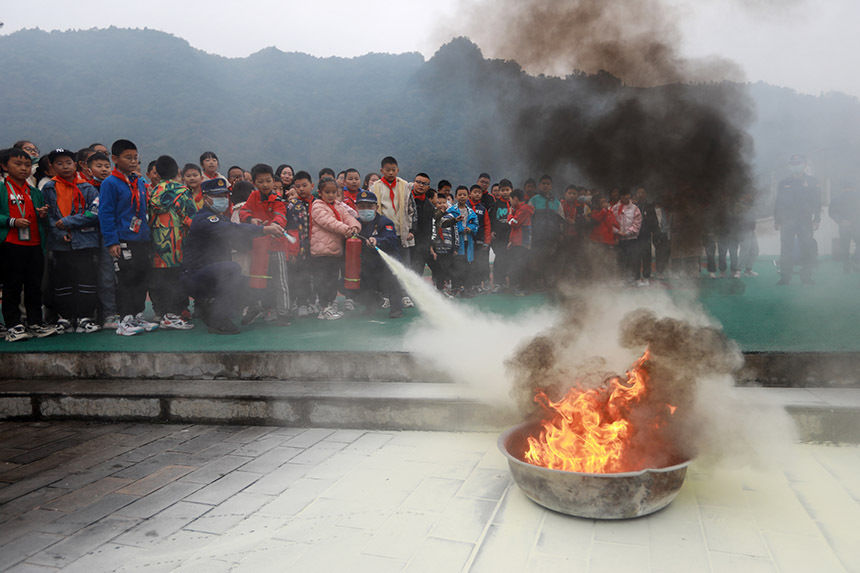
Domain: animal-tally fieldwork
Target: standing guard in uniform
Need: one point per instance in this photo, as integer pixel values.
(797, 215)
(209, 274)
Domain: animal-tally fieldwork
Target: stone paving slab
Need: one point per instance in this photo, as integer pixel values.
(320, 499)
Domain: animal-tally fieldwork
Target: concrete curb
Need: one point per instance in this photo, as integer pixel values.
(829, 415)
(770, 369)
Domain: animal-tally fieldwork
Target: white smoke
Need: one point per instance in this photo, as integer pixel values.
(587, 337)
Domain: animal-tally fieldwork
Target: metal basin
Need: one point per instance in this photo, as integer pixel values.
(597, 496)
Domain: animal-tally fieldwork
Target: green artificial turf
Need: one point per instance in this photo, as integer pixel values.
(762, 316)
(754, 311)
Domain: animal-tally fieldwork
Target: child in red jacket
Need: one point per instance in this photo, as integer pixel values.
(269, 254)
(520, 240)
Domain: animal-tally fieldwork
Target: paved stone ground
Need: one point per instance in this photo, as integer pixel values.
(138, 497)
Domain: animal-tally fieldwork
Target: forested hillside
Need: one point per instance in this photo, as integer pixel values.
(73, 88)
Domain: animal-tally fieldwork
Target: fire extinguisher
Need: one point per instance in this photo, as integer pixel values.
(352, 268)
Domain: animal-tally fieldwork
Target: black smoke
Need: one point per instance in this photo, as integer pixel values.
(625, 110)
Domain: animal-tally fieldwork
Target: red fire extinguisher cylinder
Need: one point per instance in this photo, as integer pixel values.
(352, 268)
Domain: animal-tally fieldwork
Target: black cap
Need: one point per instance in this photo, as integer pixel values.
(59, 152)
(217, 186)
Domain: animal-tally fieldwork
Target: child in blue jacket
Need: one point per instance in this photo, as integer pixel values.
(73, 239)
(124, 226)
(467, 227)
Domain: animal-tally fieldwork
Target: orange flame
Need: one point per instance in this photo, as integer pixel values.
(589, 430)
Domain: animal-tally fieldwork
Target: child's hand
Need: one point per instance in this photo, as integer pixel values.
(274, 230)
(42, 211)
(67, 238)
(255, 221)
(432, 252)
(115, 251)
(372, 241)
(60, 225)
(353, 231)
(20, 223)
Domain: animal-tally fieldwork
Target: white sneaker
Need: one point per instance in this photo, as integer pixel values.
(111, 322)
(349, 305)
(385, 302)
(87, 326)
(736, 274)
(64, 326)
(329, 313)
(642, 283)
(16, 333)
(173, 322)
(145, 324)
(407, 302)
(751, 273)
(42, 330)
(128, 326)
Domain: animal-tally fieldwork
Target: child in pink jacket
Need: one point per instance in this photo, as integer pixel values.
(331, 225)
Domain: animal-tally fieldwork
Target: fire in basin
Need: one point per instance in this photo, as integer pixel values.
(605, 452)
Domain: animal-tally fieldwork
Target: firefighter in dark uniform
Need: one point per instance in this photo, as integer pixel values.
(797, 215)
(378, 232)
(208, 272)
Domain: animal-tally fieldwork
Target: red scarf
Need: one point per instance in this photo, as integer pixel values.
(23, 194)
(333, 210)
(132, 186)
(75, 202)
(419, 196)
(391, 187)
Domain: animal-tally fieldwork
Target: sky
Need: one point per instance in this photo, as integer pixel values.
(808, 45)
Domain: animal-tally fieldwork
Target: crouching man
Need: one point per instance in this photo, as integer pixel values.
(208, 273)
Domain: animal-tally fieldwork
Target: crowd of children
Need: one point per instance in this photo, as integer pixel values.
(88, 235)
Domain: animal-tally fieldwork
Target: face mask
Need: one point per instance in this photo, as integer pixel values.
(366, 215)
(797, 169)
(220, 204)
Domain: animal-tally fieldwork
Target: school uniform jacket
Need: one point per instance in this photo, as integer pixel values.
(484, 233)
(81, 224)
(398, 205)
(445, 239)
(604, 230)
(467, 241)
(269, 209)
(38, 201)
(117, 209)
(520, 222)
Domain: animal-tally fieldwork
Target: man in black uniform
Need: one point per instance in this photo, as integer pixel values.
(208, 273)
(797, 215)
